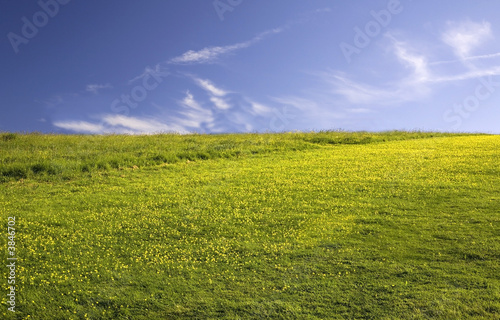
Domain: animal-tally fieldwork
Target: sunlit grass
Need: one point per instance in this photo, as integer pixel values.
(287, 226)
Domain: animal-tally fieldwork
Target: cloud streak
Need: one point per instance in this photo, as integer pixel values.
(465, 36)
(211, 54)
(413, 86)
(113, 123)
(79, 126)
(470, 58)
(419, 82)
(208, 86)
(94, 88)
(213, 110)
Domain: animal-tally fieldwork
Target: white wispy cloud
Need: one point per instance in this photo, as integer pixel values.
(473, 74)
(259, 109)
(308, 109)
(470, 58)
(465, 36)
(221, 104)
(207, 55)
(79, 126)
(224, 110)
(214, 113)
(210, 54)
(412, 86)
(193, 115)
(190, 102)
(216, 94)
(208, 86)
(94, 88)
(418, 63)
(114, 123)
(422, 75)
(355, 92)
(135, 124)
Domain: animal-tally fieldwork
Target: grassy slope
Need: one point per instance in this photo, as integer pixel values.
(59, 157)
(402, 229)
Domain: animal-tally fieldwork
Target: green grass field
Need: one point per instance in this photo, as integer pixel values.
(328, 225)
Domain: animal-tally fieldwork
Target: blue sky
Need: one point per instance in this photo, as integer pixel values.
(74, 66)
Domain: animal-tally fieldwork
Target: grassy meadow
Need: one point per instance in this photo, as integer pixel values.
(327, 225)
